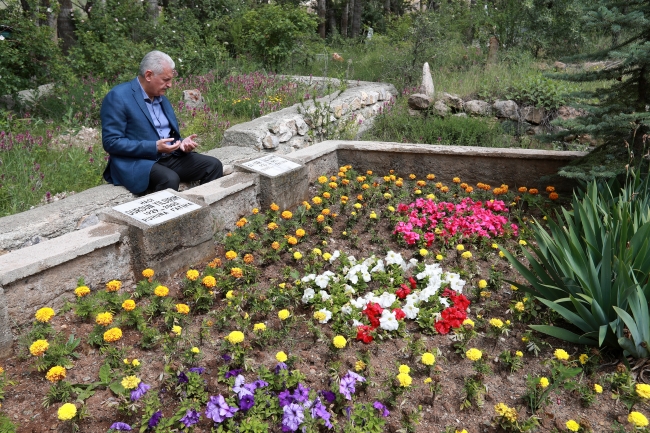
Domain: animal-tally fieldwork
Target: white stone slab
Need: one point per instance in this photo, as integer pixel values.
(271, 165)
(157, 208)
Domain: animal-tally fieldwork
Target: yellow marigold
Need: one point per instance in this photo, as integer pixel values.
(638, 419)
(523, 242)
(456, 180)
(482, 284)
(161, 291)
(598, 389)
(81, 291)
(317, 251)
(2, 370)
(300, 233)
(320, 218)
(502, 254)
(135, 363)
(428, 358)
(177, 329)
(44, 314)
(642, 390)
(255, 211)
(39, 347)
(583, 358)
(509, 413)
(182, 308)
(571, 425)
(148, 273)
(428, 380)
(325, 212)
(286, 215)
(466, 255)
(196, 350)
(404, 380)
(272, 226)
(543, 382)
(297, 255)
(423, 252)
(561, 354)
(281, 356)
(230, 294)
(284, 314)
(399, 183)
(292, 241)
(359, 365)
(485, 294)
(113, 286)
(231, 255)
(275, 245)
(468, 322)
(473, 354)
(192, 274)
(252, 236)
(104, 319)
(67, 412)
(130, 382)
(339, 341)
(317, 200)
(242, 222)
(497, 323)
(274, 207)
(460, 247)
(112, 335)
(519, 354)
(326, 194)
(439, 257)
(236, 272)
(519, 306)
(55, 374)
(322, 179)
(327, 256)
(209, 281)
(259, 327)
(235, 337)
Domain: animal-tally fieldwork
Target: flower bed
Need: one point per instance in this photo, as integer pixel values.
(382, 303)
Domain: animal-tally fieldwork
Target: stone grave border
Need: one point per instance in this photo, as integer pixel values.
(118, 247)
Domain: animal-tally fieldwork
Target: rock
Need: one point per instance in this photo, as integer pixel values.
(565, 112)
(441, 109)
(355, 104)
(338, 111)
(460, 115)
(533, 115)
(506, 109)
(301, 126)
(415, 113)
(478, 108)
(88, 221)
(270, 142)
(427, 81)
(559, 66)
(193, 98)
(453, 101)
(419, 101)
(337, 57)
(298, 142)
(284, 133)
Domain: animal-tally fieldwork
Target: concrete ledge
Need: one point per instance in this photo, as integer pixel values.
(217, 190)
(29, 261)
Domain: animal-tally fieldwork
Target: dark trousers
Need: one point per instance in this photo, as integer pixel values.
(171, 171)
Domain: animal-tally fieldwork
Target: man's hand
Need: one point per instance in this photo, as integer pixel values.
(162, 145)
(189, 144)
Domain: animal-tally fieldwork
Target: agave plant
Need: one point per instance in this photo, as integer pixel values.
(592, 263)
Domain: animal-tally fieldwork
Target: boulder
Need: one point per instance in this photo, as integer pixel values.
(419, 101)
(460, 115)
(478, 108)
(565, 112)
(559, 66)
(270, 142)
(284, 133)
(427, 81)
(301, 126)
(193, 99)
(506, 109)
(415, 113)
(533, 115)
(453, 101)
(441, 109)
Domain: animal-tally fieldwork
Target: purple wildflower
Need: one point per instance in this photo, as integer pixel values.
(246, 402)
(301, 394)
(240, 387)
(259, 383)
(120, 426)
(348, 411)
(292, 417)
(318, 410)
(191, 417)
(285, 398)
(226, 357)
(346, 386)
(381, 408)
(140, 391)
(280, 366)
(329, 396)
(199, 370)
(233, 373)
(218, 410)
(182, 378)
(155, 419)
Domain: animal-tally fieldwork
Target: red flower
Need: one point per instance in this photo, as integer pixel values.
(448, 293)
(460, 301)
(399, 314)
(453, 316)
(414, 283)
(373, 311)
(403, 291)
(363, 333)
(442, 327)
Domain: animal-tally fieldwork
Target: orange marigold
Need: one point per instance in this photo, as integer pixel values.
(431, 176)
(275, 245)
(286, 215)
(209, 281)
(444, 189)
(275, 207)
(522, 189)
(215, 263)
(113, 286)
(272, 226)
(325, 212)
(550, 188)
(241, 223)
(469, 189)
(248, 259)
(456, 180)
(533, 191)
(292, 241)
(300, 233)
(553, 196)
(345, 181)
(320, 218)
(326, 194)
(237, 272)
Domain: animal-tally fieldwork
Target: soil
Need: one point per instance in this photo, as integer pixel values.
(23, 399)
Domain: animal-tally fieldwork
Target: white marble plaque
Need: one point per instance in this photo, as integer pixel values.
(157, 208)
(271, 165)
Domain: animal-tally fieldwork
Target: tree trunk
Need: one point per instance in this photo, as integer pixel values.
(386, 7)
(322, 11)
(356, 18)
(49, 17)
(331, 17)
(65, 26)
(152, 9)
(344, 20)
(350, 17)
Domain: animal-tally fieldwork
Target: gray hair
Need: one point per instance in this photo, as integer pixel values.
(155, 61)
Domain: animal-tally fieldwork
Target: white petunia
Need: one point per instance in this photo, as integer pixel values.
(356, 323)
(358, 303)
(308, 278)
(324, 295)
(335, 255)
(328, 315)
(411, 311)
(308, 295)
(322, 281)
(388, 321)
(346, 309)
(386, 299)
(349, 290)
(444, 302)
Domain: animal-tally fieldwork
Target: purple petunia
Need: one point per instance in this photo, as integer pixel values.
(318, 410)
(182, 378)
(301, 394)
(199, 370)
(226, 357)
(140, 391)
(120, 426)
(286, 398)
(240, 387)
(233, 373)
(346, 386)
(191, 417)
(155, 419)
(329, 396)
(218, 410)
(292, 417)
(281, 366)
(381, 408)
(246, 402)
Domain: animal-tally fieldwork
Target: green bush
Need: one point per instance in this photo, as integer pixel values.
(540, 91)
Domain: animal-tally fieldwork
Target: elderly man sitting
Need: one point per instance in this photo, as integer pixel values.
(141, 134)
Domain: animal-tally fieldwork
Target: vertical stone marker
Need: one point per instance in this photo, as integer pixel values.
(284, 182)
(427, 81)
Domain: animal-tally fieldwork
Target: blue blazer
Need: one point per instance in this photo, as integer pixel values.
(129, 136)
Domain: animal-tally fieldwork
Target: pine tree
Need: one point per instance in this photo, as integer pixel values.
(619, 112)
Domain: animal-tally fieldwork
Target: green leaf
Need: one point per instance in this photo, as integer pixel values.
(563, 334)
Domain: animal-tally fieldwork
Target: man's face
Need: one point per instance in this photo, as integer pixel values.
(157, 85)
